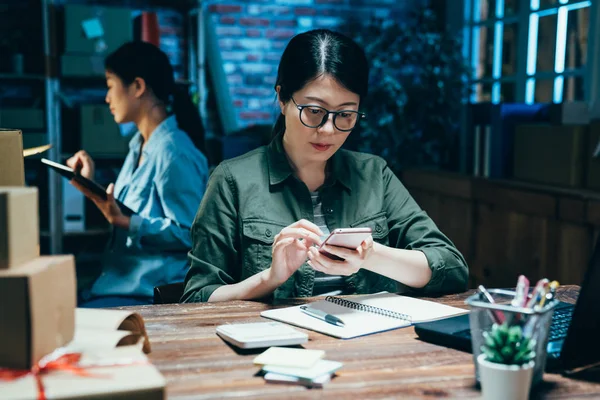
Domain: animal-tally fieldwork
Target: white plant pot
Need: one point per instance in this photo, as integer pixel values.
(501, 382)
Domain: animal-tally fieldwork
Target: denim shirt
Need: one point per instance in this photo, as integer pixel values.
(249, 200)
(164, 192)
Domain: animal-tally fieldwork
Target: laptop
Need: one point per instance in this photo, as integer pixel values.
(572, 343)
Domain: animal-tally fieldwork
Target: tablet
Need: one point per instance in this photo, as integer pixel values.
(89, 184)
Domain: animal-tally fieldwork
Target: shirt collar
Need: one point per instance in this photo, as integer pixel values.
(280, 168)
(166, 126)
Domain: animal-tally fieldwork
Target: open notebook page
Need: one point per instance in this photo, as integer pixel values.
(418, 309)
(358, 322)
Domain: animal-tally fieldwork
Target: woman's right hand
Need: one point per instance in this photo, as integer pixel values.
(290, 249)
(83, 164)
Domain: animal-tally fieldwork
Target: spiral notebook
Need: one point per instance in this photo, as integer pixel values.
(366, 314)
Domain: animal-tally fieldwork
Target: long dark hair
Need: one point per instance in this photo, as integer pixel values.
(312, 54)
(144, 60)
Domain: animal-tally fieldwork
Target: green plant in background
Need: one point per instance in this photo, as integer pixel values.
(417, 88)
(506, 344)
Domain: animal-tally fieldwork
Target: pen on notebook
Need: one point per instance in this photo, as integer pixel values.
(322, 315)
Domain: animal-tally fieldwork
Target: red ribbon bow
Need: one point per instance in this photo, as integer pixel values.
(65, 362)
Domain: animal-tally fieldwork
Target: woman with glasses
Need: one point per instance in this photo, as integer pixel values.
(264, 213)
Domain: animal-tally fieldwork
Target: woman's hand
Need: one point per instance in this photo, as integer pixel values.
(290, 249)
(353, 259)
(109, 207)
(83, 164)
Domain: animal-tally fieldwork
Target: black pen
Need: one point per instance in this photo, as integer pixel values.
(322, 315)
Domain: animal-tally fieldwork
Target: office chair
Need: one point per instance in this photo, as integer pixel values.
(168, 294)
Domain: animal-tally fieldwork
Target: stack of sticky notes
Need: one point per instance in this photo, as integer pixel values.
(296, 366)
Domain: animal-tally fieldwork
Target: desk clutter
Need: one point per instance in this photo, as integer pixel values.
(510, 331)
(296, 366)
(49, 349)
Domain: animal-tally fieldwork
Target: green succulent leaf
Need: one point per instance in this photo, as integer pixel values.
(506, 344)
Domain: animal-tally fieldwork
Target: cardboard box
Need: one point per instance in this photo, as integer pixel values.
(37, 310)
(22, 118)
(549, 154)
(135, 379)
(11, 158)
(100, 134)
(96, 29)
(19, 226)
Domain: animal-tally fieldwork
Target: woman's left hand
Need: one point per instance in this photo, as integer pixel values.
(353, 259)
(109, 207)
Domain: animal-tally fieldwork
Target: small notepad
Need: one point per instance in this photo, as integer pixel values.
(366, 314)
(320, 368)
(288, 357)
(288, 379)
(261, 334)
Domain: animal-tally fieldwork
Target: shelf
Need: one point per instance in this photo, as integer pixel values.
(88, 232)
(184, 5)
(22, 77)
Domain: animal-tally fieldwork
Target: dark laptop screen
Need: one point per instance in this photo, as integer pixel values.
(581, 345)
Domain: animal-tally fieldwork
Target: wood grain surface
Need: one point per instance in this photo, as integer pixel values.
(396, 364)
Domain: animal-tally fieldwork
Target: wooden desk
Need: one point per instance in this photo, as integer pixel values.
(198, 364)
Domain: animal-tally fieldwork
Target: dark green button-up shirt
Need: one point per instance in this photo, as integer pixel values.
(249, 199)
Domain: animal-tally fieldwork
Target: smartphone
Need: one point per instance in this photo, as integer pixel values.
(350, 238)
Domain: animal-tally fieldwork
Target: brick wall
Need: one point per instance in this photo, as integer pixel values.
(252, 36)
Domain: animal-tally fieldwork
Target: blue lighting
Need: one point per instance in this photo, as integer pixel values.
(532, 43)
(496, 93)
(558, 89)
(530, 91)
(498, 36)
(500, 9)
(561, 40)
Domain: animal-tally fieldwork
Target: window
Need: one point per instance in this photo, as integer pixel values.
(528, 50)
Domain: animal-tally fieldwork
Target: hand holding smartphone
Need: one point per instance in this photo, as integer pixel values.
(350, 238)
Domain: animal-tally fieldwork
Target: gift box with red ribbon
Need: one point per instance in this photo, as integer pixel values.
(121, 373)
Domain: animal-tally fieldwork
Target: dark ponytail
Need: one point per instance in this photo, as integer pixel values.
(144, 60)
(188, 117)
(312, 54)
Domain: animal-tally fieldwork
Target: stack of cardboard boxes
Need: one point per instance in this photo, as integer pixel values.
(38, 310)
(37, 294)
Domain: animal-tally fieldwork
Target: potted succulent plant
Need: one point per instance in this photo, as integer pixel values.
(506, 363)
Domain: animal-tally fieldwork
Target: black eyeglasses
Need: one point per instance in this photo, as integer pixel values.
(313, 116)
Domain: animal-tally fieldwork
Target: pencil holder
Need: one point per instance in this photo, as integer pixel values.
(535, 324)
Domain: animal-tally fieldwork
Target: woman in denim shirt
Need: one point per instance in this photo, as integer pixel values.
(162, 180)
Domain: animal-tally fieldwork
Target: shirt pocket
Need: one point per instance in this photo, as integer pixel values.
(257, 242)
(378, 224)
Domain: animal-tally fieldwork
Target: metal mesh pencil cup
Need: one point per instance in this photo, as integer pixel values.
(535, 323)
